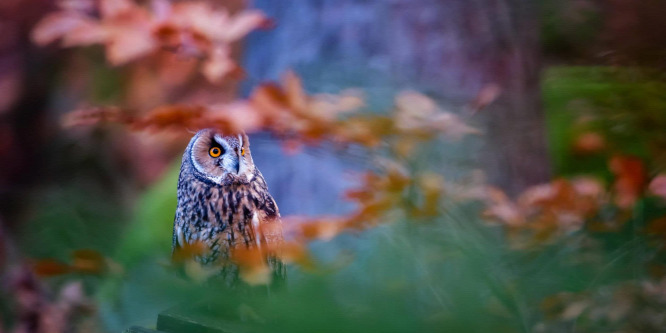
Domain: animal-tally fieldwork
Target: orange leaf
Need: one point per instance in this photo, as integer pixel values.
(589, 143)
(88, 261)
(189, 251)
(50, 267)
(252, 263)
(293, 88)
(630, 179)
(294, 253)
(322, 228)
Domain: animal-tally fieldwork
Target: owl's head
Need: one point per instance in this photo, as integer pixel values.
(220, 159)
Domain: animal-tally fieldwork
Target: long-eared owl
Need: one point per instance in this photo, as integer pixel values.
(223, 200)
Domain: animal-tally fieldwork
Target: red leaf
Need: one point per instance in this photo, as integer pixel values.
(630, 179)
(50, 267)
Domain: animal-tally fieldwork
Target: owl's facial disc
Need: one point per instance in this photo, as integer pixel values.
(222, 159)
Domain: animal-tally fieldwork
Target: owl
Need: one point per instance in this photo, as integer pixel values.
(223, 200)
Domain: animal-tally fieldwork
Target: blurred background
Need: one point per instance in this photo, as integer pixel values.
(558, 90)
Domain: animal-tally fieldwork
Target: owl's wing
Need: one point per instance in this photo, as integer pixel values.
(270, 208)
(271, 234)
(269, 220)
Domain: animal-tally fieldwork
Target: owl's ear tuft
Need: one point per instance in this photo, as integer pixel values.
(246, 140)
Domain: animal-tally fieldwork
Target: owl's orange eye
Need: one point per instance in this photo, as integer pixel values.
(242, 151)
(215, 152)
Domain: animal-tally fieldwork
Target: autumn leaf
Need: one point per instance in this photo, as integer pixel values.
(58, 25)
(198, 272)
(431, 186)
(501, 208)
(547, 210)
(189, 251)
(589, 143)
(50, 267)
(254, 269)
(92, 116)
(88, 262)
(130, 31)
(115, 8)
(658, 186)
(218, 64)
(418, 114)
(630, 179)
(486, 96)
(324, 228)
(294, 252)
(243, 23)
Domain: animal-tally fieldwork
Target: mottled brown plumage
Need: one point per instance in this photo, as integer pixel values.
(223, 199)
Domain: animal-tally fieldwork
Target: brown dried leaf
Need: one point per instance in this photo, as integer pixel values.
(171, 117)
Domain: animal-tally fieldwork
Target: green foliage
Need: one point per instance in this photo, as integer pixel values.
(453, 272)
(68, 220)
(624, 105)
(150, 230)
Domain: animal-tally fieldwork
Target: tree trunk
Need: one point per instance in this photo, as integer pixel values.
(450, 49)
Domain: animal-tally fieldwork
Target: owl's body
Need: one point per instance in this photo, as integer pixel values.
(223, 200)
